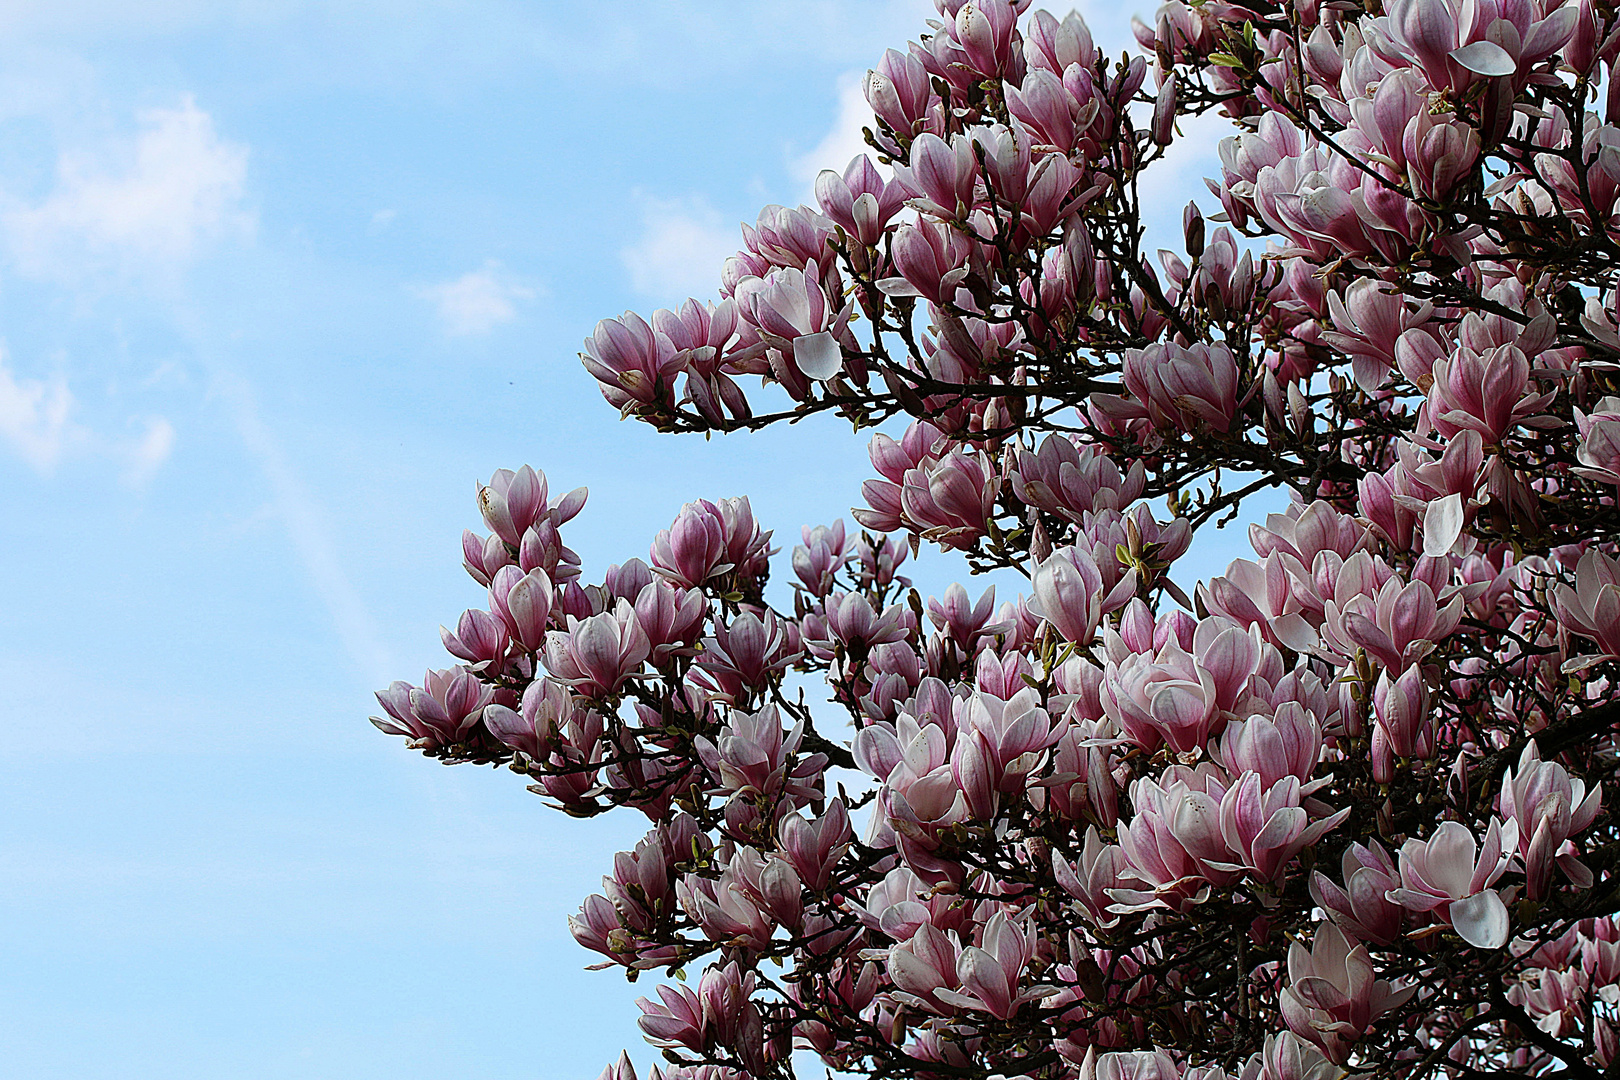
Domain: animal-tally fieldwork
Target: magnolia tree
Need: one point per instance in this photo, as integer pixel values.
(1339, 810)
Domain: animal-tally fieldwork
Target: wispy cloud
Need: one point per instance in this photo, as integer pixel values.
(307, 529)
(683, 244)
(146, 204)
(35, 417)
(477, 301)
(146, 455)
(37, 422)
(843, 141)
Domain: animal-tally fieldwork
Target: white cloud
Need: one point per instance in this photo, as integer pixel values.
(37, 421)
(34, 418)
(146, 455)
(843, 140)
(684, 243)
(477, 301)
(136, 205)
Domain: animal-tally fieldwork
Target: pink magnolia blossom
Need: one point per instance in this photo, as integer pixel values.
(814, 847)
(697, 1019)
(964, 621)
(1069, 594)
(635, 364)
(851, 622)
(925, 966)
(523, 602)
(1368, 319)
(1362, 907)
(860, 201)
(747, 654)
(1177, 696)
(1398, 623)
(1556, 1000)
(1178, 388)
(1261, 595)
(893, 460)
(1548, 807)
(752, 752)
(1063, 478)
(1053, 45)
(902, 903)
(444, 709)
(1439, 150)
(793, 312)
(709, 539)
(596, 655)
(789, 239)
(1272, 747)
(1450, 875)
(1333, 994)
(1014, 733)
(1285, 1056)
(898, 91)
(990, 972)
(1456, 49)
(1265, 827)
(512, 502)
(546, 711)
(1174, 843)
(619, 1070)
(1599, 451)
(1045, 106)
(942, 175)
(933, 260)
(823, 554)
(1129, 1065)
(1592, 608)
(671, 618)
(480, 638)
(1401, 706)
(984, 29)
(1090, 877)
(950, 501)
(1486, 393)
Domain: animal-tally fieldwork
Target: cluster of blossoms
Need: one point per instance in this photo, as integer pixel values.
(1337, 810)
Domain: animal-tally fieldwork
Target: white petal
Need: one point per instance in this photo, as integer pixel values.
(1293, 631)
(1481, 920)
(1442, 524)
(818, 355)
(1485, 58)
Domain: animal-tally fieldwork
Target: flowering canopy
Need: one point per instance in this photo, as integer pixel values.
(1340, 809)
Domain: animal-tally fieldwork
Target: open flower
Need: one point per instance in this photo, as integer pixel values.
(1592, 608)
(1450, 875)
(1333, 994)
(1548, 807)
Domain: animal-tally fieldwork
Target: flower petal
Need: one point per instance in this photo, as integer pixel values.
(818, 355)
(1485, 58)
(1481, 920)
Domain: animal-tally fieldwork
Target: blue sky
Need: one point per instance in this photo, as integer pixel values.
(279, 282)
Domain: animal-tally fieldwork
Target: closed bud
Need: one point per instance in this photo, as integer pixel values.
(1164, 113)
(1192, 228)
